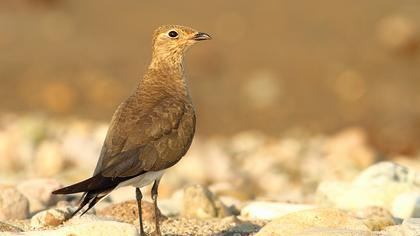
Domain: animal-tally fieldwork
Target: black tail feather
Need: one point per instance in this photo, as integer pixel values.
(91, 199)
(86, 198)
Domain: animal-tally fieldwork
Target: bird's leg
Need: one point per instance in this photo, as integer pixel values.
(139, 196)
(154, 197)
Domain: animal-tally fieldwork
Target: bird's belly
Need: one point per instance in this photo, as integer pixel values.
(143, 180)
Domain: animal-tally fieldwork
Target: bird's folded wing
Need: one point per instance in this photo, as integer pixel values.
(132, 145)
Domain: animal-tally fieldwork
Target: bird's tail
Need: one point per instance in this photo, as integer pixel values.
(90, 198)
(83, 186)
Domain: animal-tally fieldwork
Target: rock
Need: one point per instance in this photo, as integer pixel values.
(375, 218)
(38, 192)
(386, 172)
(334, 232)
(411, 226)
(170, 207)
(128, 212)
(378, 185)
(49, 159)
(349, 150)
(395, 230)
(4, 227)
(399, 34)
(91, 227)
(406, 205)
(199, 202)
(270, 210)
(301, 221)
(51, 217)
(13, 205)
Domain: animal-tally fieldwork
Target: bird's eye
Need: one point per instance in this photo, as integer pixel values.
(173, 34)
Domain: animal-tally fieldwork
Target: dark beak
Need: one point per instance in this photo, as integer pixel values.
(201, 36)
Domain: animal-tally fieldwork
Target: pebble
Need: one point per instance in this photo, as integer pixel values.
(334, 232)
(13, 204)
(4, 227)
(375, 218)
(199, 202)
(128, 212)
(49, 159)
(52, 217)
(384, 173)
(270, 210)
(38, 192)
(379, 185)
(301, 221)
(406, 205)
(95, 227)
(411, 226)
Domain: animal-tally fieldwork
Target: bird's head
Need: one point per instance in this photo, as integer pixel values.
(170, 42)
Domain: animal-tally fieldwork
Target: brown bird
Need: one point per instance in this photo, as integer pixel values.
(151, 130)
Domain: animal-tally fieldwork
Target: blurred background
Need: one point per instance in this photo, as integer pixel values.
(281, 65)
(297, 81)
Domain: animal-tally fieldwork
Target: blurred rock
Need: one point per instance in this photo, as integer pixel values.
(52, 217)
(406, 205)
(384, 173)
(122, 194)
(128, 212)
(199, 202)
(246, 142)
(13, 205)
(333, 232)
(170, 207)
(411, 226)
(4, 227)
(399, 34)
(375, 218)
(378, 185)
(270, 210)
(89, 226)
(350, 148)
(49, 159)
(38, 192)
(82, 142)
(301, 221)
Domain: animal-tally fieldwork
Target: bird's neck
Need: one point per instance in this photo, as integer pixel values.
(164, 77)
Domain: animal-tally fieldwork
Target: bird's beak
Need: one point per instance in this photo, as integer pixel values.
(201, 36)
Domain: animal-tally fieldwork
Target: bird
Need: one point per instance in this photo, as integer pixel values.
(151, 130)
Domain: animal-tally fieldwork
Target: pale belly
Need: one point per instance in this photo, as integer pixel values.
(142, 180)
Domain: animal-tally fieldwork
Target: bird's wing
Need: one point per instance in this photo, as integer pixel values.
(138, 142)
(135, 141)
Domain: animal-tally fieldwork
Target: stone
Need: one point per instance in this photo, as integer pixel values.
(51, 217)
(411, 226)
(49, 159)
(13, 204)
(170, 207)
(270, 210)
(4, 227)
(406, 205)
(38, 192)
(128, 212)
(91, 227)
(301, 221)
(334, 232)
(385, 172)
(378, 185)
(350, 147)
(375, 218)
(199, 202)
(399, 33)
